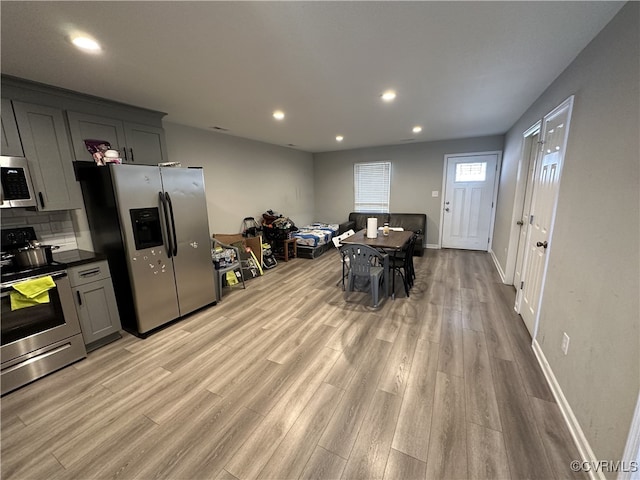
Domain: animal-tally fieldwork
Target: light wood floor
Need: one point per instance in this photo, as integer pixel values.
(288, 379)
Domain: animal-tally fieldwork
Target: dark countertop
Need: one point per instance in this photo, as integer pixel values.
(74, 258)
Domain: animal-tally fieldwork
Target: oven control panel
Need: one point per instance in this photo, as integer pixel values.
(14, 238)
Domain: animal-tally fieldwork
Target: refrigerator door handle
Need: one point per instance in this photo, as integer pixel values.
(163, 204)
(173, 225)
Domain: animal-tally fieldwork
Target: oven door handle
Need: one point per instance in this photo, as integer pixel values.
(7, 287)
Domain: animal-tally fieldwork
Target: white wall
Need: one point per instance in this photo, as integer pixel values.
(244, 178)
(593, 281)
(416, 171)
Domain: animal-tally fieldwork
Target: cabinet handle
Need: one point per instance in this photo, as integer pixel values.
(89, 273)
(124, 150)
(41, 199)
(79, 298)
(132, 159)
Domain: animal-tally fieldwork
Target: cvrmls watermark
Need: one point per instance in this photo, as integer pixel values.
(605, 466)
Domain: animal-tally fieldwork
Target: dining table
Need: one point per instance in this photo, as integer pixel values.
(395, 241)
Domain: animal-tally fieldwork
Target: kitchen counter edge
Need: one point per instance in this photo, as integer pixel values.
(74, 258)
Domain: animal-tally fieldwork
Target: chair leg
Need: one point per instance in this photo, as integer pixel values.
(375, 290)
(342, 278)
(350, 282)
(219, 285)
(404, 281)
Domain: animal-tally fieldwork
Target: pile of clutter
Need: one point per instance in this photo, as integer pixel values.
(271, 219)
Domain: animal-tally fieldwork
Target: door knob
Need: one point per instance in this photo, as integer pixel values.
(446, 209)
(542, 244)
(520, 222)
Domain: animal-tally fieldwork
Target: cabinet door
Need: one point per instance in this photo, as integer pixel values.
(46, 146)
(11, 145)
(84, 126)
(97, 310)
(146, 144)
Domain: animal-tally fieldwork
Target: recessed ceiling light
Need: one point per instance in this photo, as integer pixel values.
(417, 129)
(388, 96)
(339, 138)
(278, 114)
(86, 43)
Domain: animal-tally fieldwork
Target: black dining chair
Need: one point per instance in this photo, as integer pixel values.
(345, 261)
(367, 264)
(402, 263)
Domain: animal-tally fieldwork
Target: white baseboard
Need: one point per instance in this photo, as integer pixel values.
(631, 453)
(498, 267)
(433, 245)
(586, 453)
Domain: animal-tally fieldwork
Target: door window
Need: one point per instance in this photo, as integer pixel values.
(471, 172)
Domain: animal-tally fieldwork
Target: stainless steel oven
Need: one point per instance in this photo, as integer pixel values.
(38, 339)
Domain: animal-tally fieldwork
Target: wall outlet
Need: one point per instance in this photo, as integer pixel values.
(434, 193)
(565, 343)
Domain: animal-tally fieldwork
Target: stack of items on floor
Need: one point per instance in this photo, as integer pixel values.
(226, 260)
(250, 250)
(277, 228)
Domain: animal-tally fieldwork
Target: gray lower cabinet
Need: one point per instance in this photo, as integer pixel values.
(46, 146)
(11, 145)
(137, 143)
(95, 303)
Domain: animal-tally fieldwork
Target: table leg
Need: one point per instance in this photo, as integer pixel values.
(393, 274)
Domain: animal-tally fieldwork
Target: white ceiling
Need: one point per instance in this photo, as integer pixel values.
(461, 69)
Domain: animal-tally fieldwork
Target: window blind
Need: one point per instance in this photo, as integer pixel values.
(371, 186)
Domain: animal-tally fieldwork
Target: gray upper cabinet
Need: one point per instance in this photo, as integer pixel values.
(137, 143)
(46, 145)
(11, 145)
(146, 144)
(85, 126)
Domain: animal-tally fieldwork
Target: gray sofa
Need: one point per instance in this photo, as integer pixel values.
(416, 222)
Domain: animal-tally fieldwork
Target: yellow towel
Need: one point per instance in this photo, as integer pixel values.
(31, 292)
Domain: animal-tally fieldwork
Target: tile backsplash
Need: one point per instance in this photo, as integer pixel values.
(52, 228)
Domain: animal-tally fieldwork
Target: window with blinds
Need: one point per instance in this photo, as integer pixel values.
(372, 185)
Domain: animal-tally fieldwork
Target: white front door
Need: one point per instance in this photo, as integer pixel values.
(468, 201)
(555, 128)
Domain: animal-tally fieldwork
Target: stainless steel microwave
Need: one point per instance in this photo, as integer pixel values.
(17, 188)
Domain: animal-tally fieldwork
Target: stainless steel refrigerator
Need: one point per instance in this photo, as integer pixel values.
(151, 223)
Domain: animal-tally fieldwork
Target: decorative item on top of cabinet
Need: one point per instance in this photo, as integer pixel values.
(11, 146)
(46, 146)
(136, 143)
(95, 303)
